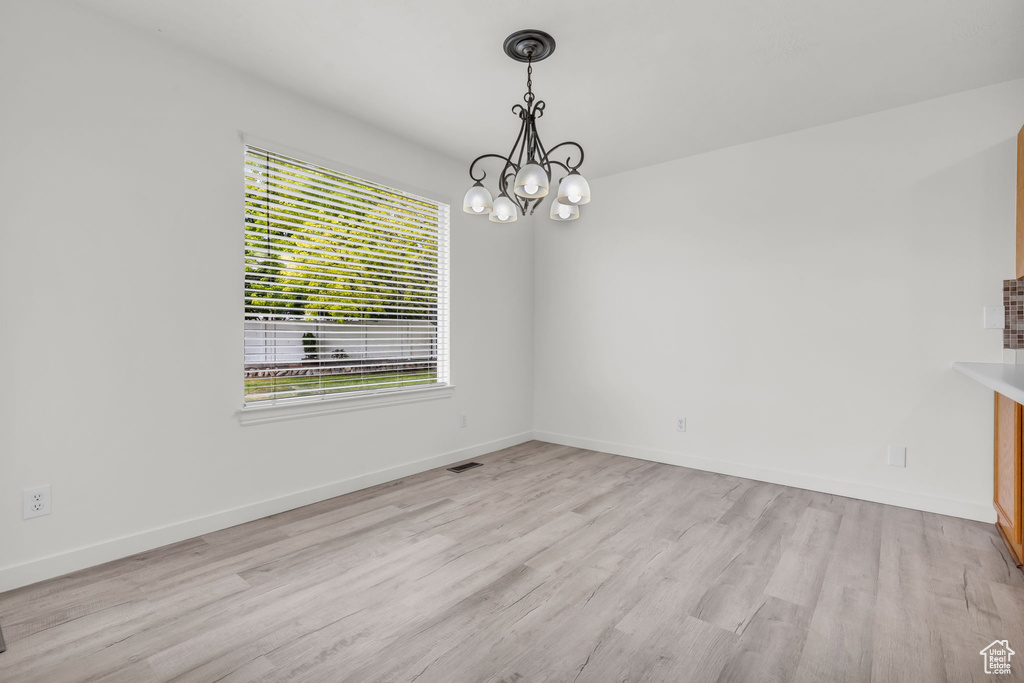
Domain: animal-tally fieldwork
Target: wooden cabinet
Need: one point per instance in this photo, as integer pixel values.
(1007, 495)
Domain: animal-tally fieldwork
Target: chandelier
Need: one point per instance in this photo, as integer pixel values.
(526, 172)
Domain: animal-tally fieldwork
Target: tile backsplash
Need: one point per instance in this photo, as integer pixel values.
(1013, 302)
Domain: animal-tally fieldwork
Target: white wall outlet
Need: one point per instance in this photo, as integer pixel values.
(36, 502)
(681, 424)
(463, 420)
(897, 456)
(994, 317)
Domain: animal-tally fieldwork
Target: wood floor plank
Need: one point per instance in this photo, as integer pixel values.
(839, 642)
(549, 563)
(740, 588)
(800, 572)
(770, 644)
(858, 544)
(905, 646)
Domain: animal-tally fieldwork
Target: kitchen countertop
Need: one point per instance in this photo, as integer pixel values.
(1005, 378)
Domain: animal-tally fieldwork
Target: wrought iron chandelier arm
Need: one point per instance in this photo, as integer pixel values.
(508, 179)
(554, 162)
(521, 202)
(483, 173)
(568, 162)
(523, 137)
(543, 158)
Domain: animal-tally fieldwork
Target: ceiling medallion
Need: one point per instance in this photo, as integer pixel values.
(527, 170)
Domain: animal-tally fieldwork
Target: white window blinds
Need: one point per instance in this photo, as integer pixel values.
(346, 284)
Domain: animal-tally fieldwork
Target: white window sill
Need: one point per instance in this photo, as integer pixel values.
(276, 412)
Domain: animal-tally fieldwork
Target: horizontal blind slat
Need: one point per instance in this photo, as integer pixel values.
(355, 284)
(254, 267)
(252, 308)
(352, 317)
(256, 301)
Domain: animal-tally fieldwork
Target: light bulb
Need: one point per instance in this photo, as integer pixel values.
(531, 181)
(574, 189)
(564, 212)
(478, 200)
(504, 211)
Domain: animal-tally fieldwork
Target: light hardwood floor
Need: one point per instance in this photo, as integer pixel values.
(549, 563)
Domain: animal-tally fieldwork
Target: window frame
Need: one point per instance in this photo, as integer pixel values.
(347, 401)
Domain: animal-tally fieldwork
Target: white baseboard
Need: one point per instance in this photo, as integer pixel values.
(18, 575)
(981, 512)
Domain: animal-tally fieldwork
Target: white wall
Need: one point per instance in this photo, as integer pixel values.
(120, 201)
(798, 300)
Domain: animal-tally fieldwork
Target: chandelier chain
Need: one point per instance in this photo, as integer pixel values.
(529, 80)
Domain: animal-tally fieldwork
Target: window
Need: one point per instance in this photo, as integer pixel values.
(346, 284)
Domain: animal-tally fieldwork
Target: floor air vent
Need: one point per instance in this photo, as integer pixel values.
(464, 466)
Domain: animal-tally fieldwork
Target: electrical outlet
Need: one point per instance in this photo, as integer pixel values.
(681, 424)
(36, 502)
(897, 456)
(463, 420)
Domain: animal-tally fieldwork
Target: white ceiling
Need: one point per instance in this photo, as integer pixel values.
(636, 83)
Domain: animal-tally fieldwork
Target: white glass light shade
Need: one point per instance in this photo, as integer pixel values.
(504, 211)
(574, 189)
(478, 200)
(532, 181)
(564, 212)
